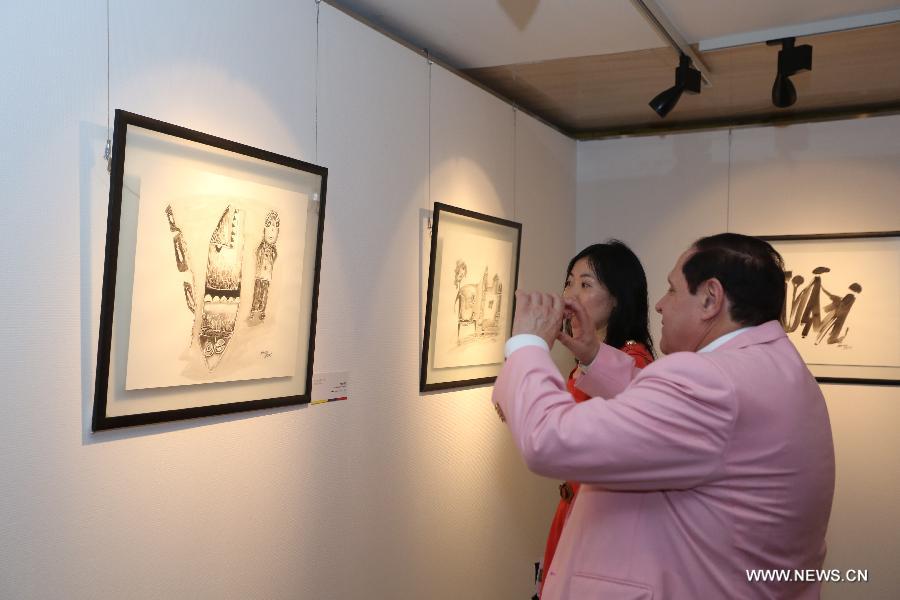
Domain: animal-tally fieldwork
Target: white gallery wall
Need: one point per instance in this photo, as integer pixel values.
(658, 194)
(391, 494)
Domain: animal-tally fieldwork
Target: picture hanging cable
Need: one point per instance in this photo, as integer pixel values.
(515, 154)
(429, 62)
(107, 151)
(515, 109)
(316, 109)
(728, 189)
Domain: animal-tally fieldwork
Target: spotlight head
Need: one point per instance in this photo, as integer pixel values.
(665, 101)
(687, 79)
(784, 93)
(791, 60)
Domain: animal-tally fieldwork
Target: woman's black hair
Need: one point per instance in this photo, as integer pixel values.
(617, 268)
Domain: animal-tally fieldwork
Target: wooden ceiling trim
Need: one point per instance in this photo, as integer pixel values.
(853, 71)
(774, 119)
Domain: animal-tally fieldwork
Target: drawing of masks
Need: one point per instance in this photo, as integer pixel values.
(266, 253)
(222, 294)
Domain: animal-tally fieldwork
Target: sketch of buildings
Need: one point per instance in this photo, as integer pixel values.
(478, 304)
(472, 275)
(472, 309)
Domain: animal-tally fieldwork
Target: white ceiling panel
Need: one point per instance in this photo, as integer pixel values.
(483, 33)
(704, 19)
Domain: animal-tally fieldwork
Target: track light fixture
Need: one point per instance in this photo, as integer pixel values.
(687, 79)
(791, 59)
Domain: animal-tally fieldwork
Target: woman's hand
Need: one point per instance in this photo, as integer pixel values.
(583, 342)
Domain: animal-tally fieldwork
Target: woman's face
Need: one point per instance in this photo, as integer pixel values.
(582, 284)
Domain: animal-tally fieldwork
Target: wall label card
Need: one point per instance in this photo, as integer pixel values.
(330, 387)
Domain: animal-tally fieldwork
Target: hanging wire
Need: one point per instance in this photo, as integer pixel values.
(316, 109)
(730, 132)
(728, 189)
(430, 64)
(107, 151)
(515, 155)
(515, 75)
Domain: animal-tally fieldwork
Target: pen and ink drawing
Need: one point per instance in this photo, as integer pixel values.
(182, 260)
(241, 318)
(266, 253)
(842, 295)
(478, 305)
(817, 310)
(472, 274)
(223, 288)
(195, 318)
(222, 296)
(472, 309)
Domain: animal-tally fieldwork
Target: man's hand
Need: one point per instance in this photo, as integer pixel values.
(583, 342)
(539, 314)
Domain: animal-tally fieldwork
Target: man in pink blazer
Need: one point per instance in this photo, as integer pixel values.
(708, 463)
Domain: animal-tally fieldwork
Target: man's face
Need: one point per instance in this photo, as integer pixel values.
(683, 326)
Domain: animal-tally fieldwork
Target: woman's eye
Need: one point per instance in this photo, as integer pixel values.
(585, 284)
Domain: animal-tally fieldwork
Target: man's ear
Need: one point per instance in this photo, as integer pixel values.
(713, 300)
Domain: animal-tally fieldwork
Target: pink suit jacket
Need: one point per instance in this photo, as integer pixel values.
(696, 469)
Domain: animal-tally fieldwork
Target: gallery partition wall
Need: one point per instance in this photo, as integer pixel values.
(391, 493)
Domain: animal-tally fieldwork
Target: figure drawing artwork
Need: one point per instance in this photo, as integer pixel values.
(842, 294)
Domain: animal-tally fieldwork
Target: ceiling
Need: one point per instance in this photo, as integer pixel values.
(590, 67)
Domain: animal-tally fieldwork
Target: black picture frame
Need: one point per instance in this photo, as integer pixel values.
(501, 241)
(279, 193)
(849, 249)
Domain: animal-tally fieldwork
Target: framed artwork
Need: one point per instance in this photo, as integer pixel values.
(211, 277)
(472, 278)
(842, 305)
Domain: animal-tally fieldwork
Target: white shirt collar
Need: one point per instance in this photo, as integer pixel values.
(722, 339)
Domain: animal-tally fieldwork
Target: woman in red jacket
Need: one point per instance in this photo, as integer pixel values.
(609, 282)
